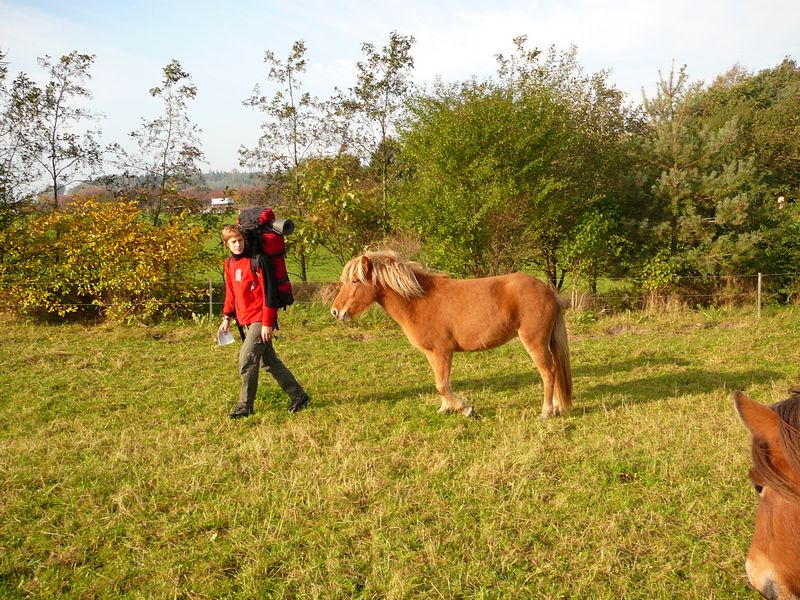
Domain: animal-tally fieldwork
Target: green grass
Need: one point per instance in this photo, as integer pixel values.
(121, 476)
(322, 267)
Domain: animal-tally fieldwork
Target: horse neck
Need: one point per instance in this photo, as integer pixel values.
(401, 309)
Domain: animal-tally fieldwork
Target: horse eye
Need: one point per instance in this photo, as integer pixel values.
(758, 488)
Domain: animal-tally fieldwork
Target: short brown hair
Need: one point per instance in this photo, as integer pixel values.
(231, 231)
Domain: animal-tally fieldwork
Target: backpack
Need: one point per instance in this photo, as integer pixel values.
(266, 247)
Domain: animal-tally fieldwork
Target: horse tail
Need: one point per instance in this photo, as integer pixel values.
(559, 348)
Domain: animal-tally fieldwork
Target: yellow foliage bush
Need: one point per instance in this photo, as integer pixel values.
(101, 259)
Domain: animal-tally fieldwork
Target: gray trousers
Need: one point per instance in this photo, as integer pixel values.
(256, 354)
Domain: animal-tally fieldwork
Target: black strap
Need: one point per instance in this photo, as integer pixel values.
(270, 281)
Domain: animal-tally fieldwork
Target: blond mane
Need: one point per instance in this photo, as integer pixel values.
(387, 269)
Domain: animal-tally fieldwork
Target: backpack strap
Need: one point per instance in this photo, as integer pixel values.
(270, 280)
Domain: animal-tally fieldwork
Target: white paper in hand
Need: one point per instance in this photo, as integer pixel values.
(224, 337)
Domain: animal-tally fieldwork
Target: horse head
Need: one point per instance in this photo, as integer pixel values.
(773, 560)
(366, 278)
(356, 290)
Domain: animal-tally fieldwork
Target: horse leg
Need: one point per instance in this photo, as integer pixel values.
(539, 351)
(441, 364)
(429, 355)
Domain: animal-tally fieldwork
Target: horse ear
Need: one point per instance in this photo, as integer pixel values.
(761, 421)
(365, 266)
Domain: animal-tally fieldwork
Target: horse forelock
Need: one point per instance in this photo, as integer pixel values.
(386, 269)
(354, 272)
(789, 433)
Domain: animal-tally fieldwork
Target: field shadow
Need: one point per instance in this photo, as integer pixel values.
(589, 397)
(427, 386)
(663, 387)
(604, 369)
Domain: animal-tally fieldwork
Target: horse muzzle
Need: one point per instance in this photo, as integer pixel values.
(340, 316)
(764, 583)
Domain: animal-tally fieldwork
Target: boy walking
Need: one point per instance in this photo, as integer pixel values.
(244, 298)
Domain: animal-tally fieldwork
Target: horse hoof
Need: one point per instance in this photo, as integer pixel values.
(468, 411)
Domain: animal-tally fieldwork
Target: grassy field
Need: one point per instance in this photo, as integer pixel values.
(121, 475)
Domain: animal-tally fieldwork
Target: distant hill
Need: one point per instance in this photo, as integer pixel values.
(232, 179)
(213, 181)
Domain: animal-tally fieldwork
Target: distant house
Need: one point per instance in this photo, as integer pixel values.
(220, 204)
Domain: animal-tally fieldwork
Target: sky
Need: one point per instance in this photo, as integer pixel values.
(222, 46)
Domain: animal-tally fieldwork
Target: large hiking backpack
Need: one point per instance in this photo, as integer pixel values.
(266, 248)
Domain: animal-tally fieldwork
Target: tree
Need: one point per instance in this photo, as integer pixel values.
(16, 117)
(586, 238)
(294, 130)
(479, 190)
(343, 212)
(294, 125)
(776, 128)
(55, 140)
(766, 107)
(702, 189)
(502, 174)
(169, 146)
(374, 106)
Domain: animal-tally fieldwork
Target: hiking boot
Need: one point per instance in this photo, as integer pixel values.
(240, 411)
(298, 403)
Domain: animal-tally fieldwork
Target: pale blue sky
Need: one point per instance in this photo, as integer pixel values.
(222, 45)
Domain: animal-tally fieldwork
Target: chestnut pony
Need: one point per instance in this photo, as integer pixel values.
(440, 316)
(773, 561)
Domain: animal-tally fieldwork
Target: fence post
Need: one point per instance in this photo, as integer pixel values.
(210, 300)
(758, 296)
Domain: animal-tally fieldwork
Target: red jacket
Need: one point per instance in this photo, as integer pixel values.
(244, 294)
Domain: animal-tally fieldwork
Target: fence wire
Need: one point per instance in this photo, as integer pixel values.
(214, 292)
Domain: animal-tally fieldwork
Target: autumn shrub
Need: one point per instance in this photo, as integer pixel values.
(101, 260)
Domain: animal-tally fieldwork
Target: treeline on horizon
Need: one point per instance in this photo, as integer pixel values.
(203, 187)
(541, 167)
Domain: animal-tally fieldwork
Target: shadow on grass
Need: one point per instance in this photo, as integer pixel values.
(588, 397)
(605, 369)
(664, 387)
(427, 386)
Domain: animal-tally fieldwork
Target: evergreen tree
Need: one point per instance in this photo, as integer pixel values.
(702, 189)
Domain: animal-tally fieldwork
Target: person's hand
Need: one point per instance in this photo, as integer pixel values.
(226, 321)
(266, 334)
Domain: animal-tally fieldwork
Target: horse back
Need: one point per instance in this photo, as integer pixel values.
(476, 314)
